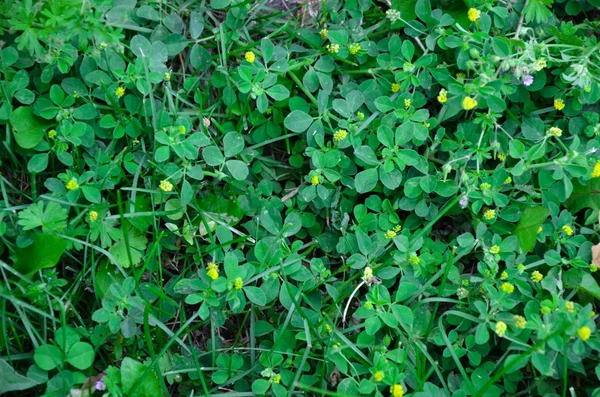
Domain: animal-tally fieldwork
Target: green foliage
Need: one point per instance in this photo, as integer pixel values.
(341, 199)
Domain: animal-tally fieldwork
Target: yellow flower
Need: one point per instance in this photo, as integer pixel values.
(540, 229)
(469, 103)
(238, 283)
(340, 135)
(212, 271)
(570, 306)
(333, 48)
(584, 333)
(390, 234)
(595, 172)
(592, 314)
(407, 103)
(507, 180)
(167, 76)
(415, 260)
(250, 57)
(52, 134)
(502, 156)
(360, 116)
(539, 64)
(368, 305)
(119, 92)
(354, 48)
(442, 96)
(397, 228)
(460, 75)
(504, 276)
(182, 130)
(494, 249)
(314, 180)
(275, 379)
(426, 124)
(368, 274)
(593, 268)
(103, 45)
(397, 390)
(521, 268)
(559, 104)
(555, 131)
(568, 230)
(465, 282)
(485, 186)
(520, 321)
(323, 34)
(536, 277)
(328, 328)
(165, 186)
(473, 14)
(501, 329)
(395, 87)
(93, 216)
(378, 376)
(72, 185)
(489, 214)
(507, 287)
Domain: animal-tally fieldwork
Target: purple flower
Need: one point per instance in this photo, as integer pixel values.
(464, 201)
(100, 386)
(528, 80)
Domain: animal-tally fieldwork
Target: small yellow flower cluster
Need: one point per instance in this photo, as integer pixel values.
(397, 390)
(250, 57)
(323, 34)
(465, 282)
(502, 157)
(485, 186)
(368, 274)
(507, 180)
(212, 271)
(504, 276)
(584, 333)
(415, 260)
(340, 135)
(559, 104)
(378, 376)
(93, 216)
(595, 172)
(593, 268)
(314, 180)
(395, 87)
(570, 306)
(360, 116)
(167, 76)
(469, 103)
(501, 329)
(536, 276)
(328, 328)
(368, 305)
(407, 103)
(119, 92)
(354, 48)
(52, 134)
(182, 130)
(568, 230)
(473, 14)
(494, 249)
(103, 45)
(507, 287)
(238, 283)
(333, 48)
(554, 131)
(165, 186)
(397, 228)
(275, 379)
(539, 64)
(489, 214)
(442, 96)
(520, 321)
(390, 234)
(72, 185)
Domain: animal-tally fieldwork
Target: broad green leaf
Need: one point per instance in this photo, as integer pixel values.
(38, 163)
(366, 180)
(298, 121)
(233, 143)
(131, 374)
(45, 252)
(238, 169)
(255, 295)
(278, 92)
(29, 129)
(47, 357)
(527, 228)
(11, 380)
(584, 196)
(81, 355)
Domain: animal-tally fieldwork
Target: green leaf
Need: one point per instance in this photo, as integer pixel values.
(526, 231)
(45, 252)
(588, 284)
(52, 219)
(366, 180)
(256, 295)
(47, 357)
(233, 143)
(131, 372)
(213, 156)
(542, 363)
(366, 154)
(137, 244)
(278, 92)
(584, 196)
(238, 169)
(500, 47)
(140, 46)
(219, 4)
(298, 121)
(38, 163)
(260, 386)
(81, 355)
(28, 128)
(11, 380)
(91, 194)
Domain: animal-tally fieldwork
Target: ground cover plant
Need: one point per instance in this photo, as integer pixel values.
(337, 198)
